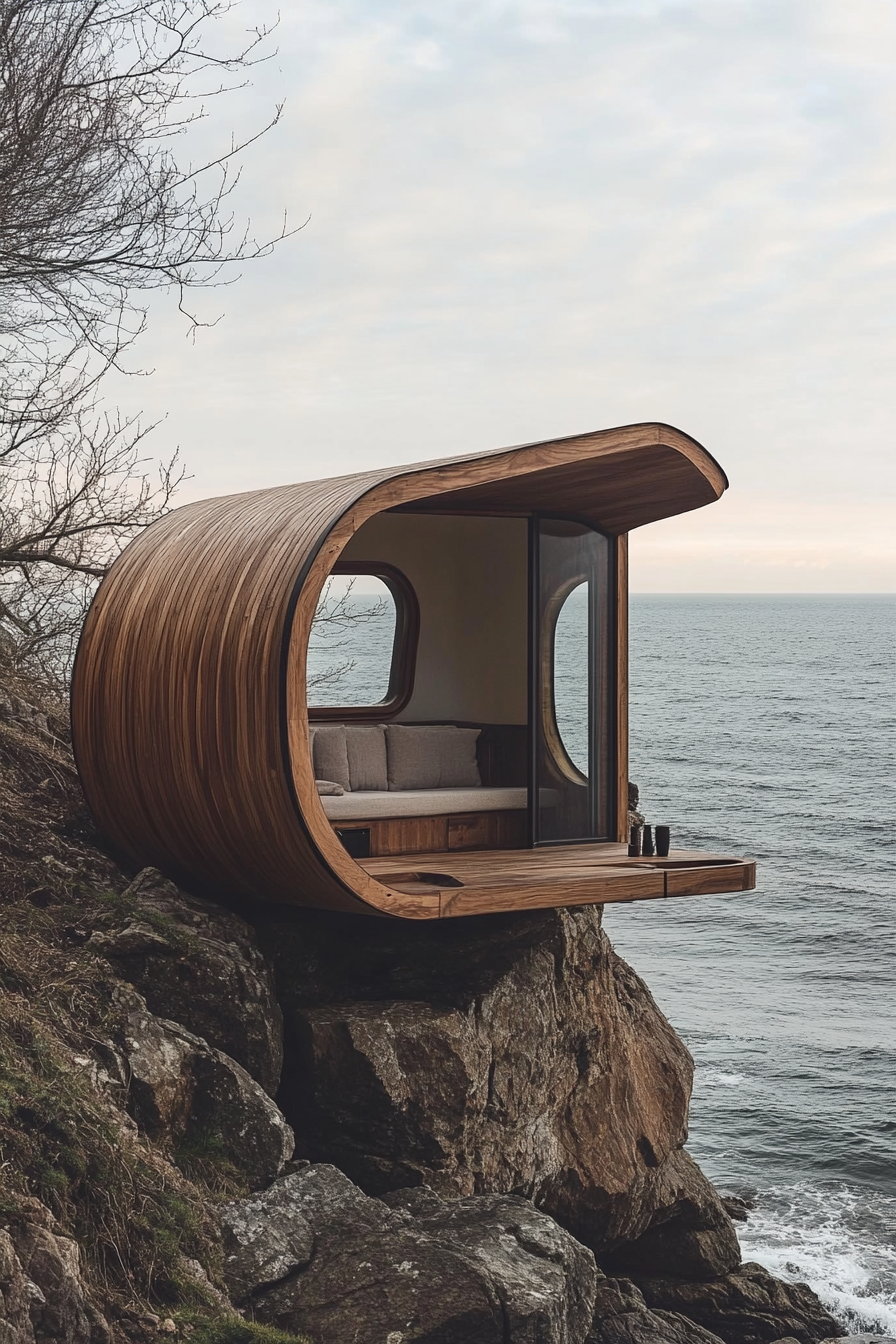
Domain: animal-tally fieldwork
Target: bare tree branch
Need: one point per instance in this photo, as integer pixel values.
(94, 205)
(96, 211)
(335, 615)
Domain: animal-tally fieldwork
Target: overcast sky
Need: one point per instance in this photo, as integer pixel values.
(532, 219)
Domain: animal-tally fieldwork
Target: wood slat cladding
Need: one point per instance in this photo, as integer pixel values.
(188, 702)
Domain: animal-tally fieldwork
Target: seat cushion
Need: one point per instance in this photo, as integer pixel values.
(421, 803)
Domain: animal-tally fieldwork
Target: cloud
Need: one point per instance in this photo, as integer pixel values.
(531, 219)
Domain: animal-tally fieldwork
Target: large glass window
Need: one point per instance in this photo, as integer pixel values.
(572, 720)
(363, 643)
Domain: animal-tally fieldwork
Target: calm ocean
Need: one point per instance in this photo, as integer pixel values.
(765, 726)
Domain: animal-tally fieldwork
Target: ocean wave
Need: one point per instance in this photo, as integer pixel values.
(718, 1078)
(838, 1240)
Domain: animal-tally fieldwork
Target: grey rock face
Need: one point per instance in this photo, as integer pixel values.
(200, 965)
(746, 1307)
(621, 1316)
(690, 1234)
(509, 1053)
(651, 1327)
(518, 1054)
(481, 1270)
(265, 1239)
(181, 1089)
(42, 1298)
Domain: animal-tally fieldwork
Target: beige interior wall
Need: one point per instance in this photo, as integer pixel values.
(470, 577)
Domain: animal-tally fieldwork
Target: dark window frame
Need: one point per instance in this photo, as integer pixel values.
(404, 647)
(542, 709)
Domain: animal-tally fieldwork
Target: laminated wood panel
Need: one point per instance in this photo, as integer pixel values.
(589, 874)
(705, 881)
(487, 830)
(406, 835)
(551, 888)
(418, 835)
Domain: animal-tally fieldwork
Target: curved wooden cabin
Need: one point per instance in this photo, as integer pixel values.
(190, 721)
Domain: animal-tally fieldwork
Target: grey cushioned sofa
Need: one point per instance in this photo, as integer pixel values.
(403, 770)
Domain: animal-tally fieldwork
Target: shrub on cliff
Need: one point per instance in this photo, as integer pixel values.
(142, 1224)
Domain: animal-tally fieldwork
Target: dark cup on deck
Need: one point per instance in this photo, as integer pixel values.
(647, 845)
(662, 840)
(635, 842)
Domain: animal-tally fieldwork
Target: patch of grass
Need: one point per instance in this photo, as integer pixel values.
(132, 1213)
(63, 1139)
(235, 1330)
(203, 1157)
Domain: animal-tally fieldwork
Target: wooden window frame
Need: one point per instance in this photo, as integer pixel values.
(404, 647)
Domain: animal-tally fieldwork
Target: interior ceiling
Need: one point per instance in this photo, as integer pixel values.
(614, 492)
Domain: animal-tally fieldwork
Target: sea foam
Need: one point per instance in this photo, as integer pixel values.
(838, 1240)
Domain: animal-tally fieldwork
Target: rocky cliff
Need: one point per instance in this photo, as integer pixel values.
(225, 1124)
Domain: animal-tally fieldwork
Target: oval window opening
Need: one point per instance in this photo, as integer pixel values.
(352, 645)
(570, 676)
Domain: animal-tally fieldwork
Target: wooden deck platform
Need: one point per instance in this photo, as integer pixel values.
(488, 881)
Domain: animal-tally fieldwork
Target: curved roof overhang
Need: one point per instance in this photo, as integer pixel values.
(616, 479)
(188, 703)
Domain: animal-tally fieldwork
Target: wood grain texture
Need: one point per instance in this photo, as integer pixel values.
(406, 835)
(706, 881)
(189, 716)
(412, 835)
(487, 830)
(591, 874)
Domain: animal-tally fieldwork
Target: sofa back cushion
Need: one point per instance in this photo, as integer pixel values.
(431, 757)
(366, 750)
(329, 754)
